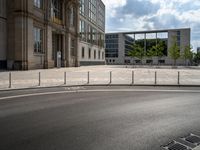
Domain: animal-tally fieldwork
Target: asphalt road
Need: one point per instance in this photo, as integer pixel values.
(97, 118)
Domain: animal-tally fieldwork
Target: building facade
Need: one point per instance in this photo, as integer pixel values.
(92, 32)
(118, 45)
(38, 34)
(3, 33)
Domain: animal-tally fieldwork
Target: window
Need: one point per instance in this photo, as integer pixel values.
(149, 61)
(161, 61)
(94, 54)
(103, 55)
(38, 47)
(82, 7)
(56, 11)
(38, 3)
(72, 47)
(92, 10)
(137, 61)
(89, 53)
(72, 16)
(83, 52)
(82, 30)
(99, 54)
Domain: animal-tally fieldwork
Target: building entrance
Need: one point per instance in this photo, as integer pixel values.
(57, 47)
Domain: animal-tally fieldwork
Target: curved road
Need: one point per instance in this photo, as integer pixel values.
(97, 118)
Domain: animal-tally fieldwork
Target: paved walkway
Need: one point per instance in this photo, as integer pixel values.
(100, 75)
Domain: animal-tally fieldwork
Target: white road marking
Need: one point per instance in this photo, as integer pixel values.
(98, 90)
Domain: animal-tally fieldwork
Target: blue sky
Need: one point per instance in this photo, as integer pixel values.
(134, 15)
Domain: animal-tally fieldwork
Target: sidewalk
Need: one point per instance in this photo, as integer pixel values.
(98, 75)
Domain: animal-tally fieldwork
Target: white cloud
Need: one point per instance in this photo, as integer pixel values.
(165, 14)
(112, 5)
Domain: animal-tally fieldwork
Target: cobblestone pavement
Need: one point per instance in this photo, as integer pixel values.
(100, 75)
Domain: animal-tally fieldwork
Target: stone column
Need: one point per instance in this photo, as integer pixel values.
(77, 61)
(64, 50)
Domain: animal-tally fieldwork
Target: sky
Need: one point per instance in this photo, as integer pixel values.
(135, 15)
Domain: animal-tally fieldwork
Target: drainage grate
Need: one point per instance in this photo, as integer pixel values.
(193, 139)
(177, 146)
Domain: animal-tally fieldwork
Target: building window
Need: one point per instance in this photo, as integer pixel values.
(56, 11)
(92, 10)
(82, 7)
(83, 52)
(94, 54)
(38, 40)
(103, 55)
(99, 55)
(161, 61)
(149, 61)
(89, 53)
(72, 17)
(38, 3)
(82, 30)
(73, 47)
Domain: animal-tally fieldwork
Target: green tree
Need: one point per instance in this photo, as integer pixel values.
(150, 54)
(174, 51)
(187, 54)
(196, 58)
(158, 50)
(137, 52)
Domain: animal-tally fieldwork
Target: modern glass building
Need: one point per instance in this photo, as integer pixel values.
(92, 32)
(118, 45)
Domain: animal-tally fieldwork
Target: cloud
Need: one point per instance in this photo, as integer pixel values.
(133, 15)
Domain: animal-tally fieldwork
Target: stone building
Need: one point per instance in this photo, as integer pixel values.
(3, 33)
(34, 32)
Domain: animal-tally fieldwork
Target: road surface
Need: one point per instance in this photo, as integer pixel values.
(97, 118)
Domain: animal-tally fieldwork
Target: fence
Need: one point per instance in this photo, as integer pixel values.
(125, 77)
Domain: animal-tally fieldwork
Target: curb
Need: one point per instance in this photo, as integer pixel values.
(91, 85)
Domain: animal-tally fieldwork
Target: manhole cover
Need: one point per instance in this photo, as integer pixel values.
(177, 146)
(193, 139)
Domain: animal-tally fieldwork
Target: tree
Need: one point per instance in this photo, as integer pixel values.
(187, 54)
(150, 54)
(137, 51)
(158, 50)
(174, 51)
(196, 59)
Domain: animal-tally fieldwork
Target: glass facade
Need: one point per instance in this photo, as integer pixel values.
(112, 45)
(92, 22)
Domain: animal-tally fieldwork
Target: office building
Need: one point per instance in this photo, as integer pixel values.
(118, 45)
(92, 32)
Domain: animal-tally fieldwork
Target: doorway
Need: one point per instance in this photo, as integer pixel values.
(57, 46)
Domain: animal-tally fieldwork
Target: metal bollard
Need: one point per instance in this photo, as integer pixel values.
(110, 77)
(39, 79)
(178, 78)
(88, 77)
(65, 78)
(10, 80)
(133, 77)
(155, 78)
